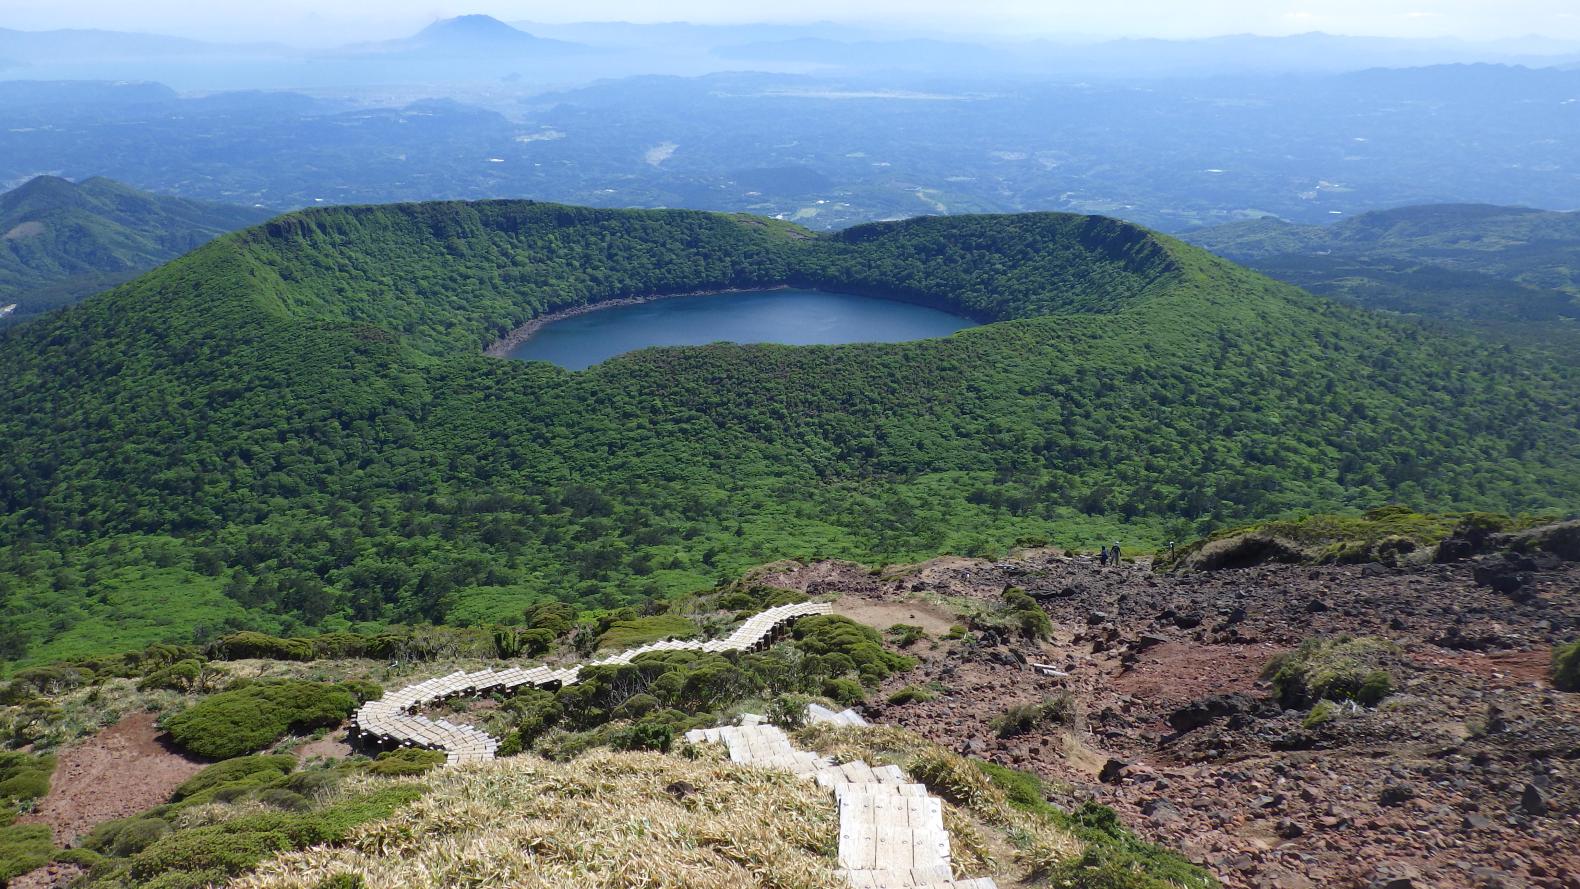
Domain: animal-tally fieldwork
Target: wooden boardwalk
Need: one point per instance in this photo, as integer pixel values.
(891, 832)
(390, 719)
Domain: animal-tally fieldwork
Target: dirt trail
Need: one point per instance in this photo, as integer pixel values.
(120, 771)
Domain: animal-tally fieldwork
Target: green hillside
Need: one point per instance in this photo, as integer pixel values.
(61, 241)
(1457, 261)
(294, 427)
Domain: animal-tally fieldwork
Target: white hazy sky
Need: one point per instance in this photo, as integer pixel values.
(335, 21)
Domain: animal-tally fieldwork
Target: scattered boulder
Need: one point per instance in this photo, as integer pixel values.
(1113, 770)
(1210, 709)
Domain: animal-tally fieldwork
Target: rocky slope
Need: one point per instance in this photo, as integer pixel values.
(1464, 776)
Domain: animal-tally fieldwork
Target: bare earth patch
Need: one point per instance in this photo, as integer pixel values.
(120, 771)
(330, 746)
(881, 614)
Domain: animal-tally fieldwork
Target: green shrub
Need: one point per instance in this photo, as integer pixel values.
(625, 634)
(24, 776)
(180, 676)
(248, 644)
(1322, 713)
(406, 761)
(911, 694)
(280, 798)
(556, 617)
(1339, 669)
(1566, 666)
(1058, 710)
(244, 772)
(342, 881)
(339, 645)
(23, 847)
(788, 711)
(838, 641)
(906, 635)
(1376, 686)
(212, 853)
(136, 834)
(248, 719)
(845, 692)
(1027, 616)
(48, 681)
(649, 734)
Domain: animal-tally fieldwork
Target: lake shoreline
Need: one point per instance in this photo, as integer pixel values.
(502, 347)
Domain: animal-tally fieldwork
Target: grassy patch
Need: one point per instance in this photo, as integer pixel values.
(911, 694)
(1566, 666)
(1056, 711)
(1336, 669)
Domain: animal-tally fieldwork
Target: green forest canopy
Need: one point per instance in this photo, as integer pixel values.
(293, 427)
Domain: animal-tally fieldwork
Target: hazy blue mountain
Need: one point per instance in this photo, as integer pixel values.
(470, 36)
(61, 241)
(1473, 262)
(1175, 154)
(1217, 56)
(67, 44)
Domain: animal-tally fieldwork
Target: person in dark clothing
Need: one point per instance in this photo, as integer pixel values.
(1113, 555)
(1102, 556)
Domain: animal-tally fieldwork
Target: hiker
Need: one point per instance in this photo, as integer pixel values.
(1102, 556)
(1114, 556)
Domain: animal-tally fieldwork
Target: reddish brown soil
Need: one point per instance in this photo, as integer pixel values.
(120, 771)
(55, 875)
(1432, 789)
(331, 746)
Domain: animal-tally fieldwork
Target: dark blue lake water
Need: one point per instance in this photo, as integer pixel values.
(791, 317)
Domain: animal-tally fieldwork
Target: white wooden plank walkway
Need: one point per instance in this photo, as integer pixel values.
(891, 832)
(391, 720)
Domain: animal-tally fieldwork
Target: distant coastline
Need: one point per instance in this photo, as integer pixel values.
(502, 347)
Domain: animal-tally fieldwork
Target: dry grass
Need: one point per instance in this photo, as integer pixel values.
(603, 820)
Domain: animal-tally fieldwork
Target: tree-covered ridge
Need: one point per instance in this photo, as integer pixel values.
(1462, 261)
(451, 277)
(237, 440)
(61, 241)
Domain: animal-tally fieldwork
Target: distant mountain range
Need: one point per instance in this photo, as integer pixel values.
(469, 36)
(1462, 261)
(478, 47)
(61, 241)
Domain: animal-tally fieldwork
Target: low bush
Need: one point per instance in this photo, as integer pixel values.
(1322, 713)
(845, 692)
(906, 635)
(1027, 616)
(248, 644)
(406, 761)
(245, 772)
(245, 720)
(1566, 666)
(1058, 710)
(911, 694)
(630, 633)
(1338, 669)
(23, 776)
(840, 640)
(180, 676)
(23, 847)
(198, 856)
